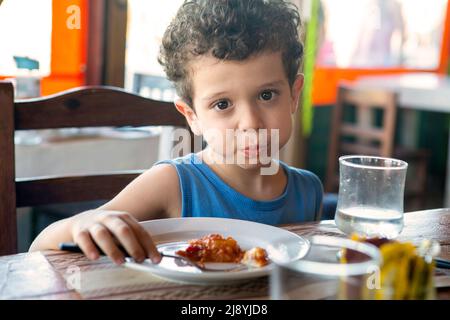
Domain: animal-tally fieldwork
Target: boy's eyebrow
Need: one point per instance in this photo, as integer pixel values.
(214, 95)
(273, 83)
(269, 84)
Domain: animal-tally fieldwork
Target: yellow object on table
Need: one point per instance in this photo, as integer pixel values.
(406, 271)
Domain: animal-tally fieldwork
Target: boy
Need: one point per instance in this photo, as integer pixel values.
(234, 64)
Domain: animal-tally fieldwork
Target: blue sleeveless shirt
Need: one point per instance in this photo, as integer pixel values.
(205, 194)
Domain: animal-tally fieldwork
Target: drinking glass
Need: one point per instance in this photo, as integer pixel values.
(322, 275)
(370, 200)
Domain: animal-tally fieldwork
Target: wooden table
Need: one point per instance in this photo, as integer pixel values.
(50, 274)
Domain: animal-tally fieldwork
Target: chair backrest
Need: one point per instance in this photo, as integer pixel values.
(356, 129)
(98, 106)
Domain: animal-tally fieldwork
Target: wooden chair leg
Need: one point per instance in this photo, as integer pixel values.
(422, 179)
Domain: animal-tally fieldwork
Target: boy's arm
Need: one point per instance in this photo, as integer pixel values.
(154, 192)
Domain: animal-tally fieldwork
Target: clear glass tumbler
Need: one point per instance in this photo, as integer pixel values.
(321, 275)
(371, 195)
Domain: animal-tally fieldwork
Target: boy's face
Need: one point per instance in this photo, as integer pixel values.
(242, 97)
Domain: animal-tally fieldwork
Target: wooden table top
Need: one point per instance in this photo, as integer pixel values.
(54, 274)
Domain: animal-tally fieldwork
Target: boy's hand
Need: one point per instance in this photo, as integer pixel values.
(108, 229)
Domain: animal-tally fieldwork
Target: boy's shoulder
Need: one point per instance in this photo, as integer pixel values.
(187, 159)
(299, 171)
(303, 176)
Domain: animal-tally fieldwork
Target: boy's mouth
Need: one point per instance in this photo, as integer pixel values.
(253, 151)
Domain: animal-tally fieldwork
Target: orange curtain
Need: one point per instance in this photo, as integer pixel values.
(68, 48)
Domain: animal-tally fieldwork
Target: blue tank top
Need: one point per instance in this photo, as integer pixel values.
(205, 194)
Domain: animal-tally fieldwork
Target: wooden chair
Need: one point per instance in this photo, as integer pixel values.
(80, 107)
(358, 133)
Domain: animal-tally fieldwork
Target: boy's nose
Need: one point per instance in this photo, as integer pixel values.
(250, 118)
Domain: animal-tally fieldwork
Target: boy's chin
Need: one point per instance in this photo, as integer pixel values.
(250, 166)
(253, 163)
(263, 168)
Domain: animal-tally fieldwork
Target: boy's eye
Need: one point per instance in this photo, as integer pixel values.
(266, 95)
(222, 105)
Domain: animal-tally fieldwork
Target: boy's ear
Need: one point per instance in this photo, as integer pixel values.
(189, 114)
(297, 87)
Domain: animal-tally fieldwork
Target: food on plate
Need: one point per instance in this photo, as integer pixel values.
(256, 257)
(213, 248)
(216, 248)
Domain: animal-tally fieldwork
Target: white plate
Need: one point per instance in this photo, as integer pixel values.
(170, 234)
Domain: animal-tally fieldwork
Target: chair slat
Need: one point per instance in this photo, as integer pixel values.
(352, 130)
(369, 98)
(94, 107)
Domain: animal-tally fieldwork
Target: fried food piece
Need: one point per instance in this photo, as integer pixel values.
(213, 248)
(216, 248)
(256, 257)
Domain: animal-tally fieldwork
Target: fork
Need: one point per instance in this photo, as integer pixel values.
(202, 267)
(73, 247)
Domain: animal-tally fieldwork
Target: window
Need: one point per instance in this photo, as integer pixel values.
(374, 37)
(37, 30)
(147, 21)
(25, 32)
(382, 33)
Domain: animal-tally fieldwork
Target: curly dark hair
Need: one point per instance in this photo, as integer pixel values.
(229, 30)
